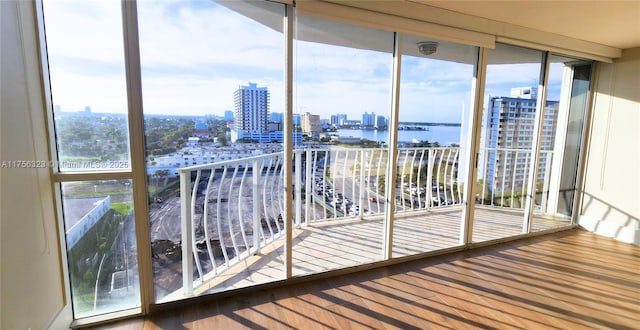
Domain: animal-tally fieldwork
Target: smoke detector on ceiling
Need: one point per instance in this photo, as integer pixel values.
(427, 47)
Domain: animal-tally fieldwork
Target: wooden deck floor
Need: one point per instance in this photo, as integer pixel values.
(567, 280)
(335, 245)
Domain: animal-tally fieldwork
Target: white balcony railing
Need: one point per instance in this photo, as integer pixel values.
(231, 210)
(504, 176)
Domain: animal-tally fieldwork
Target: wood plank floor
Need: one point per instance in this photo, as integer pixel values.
(568, 280)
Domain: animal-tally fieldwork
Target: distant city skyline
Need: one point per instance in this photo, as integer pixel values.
(274, 117)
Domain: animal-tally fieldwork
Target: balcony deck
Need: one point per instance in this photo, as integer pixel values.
(339, 244)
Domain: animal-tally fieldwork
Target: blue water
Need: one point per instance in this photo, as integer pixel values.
(445, 135)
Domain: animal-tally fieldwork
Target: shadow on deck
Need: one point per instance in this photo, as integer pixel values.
(340, 244)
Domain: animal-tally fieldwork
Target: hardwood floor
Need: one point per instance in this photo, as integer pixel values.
(568, 280)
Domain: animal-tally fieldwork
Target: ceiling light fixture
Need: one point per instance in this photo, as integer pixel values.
(427, 47)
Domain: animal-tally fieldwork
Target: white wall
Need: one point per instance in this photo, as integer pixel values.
(32, 289)
(611, 201)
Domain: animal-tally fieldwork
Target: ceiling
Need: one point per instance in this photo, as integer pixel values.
(613, 23)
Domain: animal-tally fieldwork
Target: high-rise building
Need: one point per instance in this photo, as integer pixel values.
(524, 92)
(276, 117)
(228, 115)
(274, 126)
(251, 108)
(334, 120)
(338, 119)
(326, 123)
(381, 122)
(296, 120)
(368, 119)
(251, 122)
(310, 124)
(508, 137)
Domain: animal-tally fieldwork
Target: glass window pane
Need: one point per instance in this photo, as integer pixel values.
(508, 119)
(435, 92)
(88, 84)
(568, 90)
(101, 246)
(342, 100)
(212, 73)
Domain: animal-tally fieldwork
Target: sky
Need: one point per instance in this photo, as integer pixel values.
(195, 54)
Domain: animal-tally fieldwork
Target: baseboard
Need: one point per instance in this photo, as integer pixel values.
(621, 233)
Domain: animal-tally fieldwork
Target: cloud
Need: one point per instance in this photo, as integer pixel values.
(333, 79)
(434, 90)
(502, 77)
(84, 29)
(184, 35)
(331, 97)
(74, 91)
(192, 95)
(195, 55)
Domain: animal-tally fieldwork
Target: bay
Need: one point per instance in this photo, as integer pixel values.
(445, 135)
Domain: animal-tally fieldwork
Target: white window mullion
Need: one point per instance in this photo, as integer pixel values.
(288, 140)
(473, 145)
(137, 150)
(535, 144)
(390, 186)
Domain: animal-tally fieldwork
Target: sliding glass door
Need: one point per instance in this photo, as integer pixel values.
(507, 137)
(435, 91)
(569, 85)
(532, 131)
(342, 107)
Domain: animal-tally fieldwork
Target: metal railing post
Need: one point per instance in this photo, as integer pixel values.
(257, 226)
(362, 186)
(297, 171)
(402, 175)
(308, 188)
(430, 161)
(439, 170)
(418, 187)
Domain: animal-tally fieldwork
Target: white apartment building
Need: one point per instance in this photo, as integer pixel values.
(509, 132)
(311, 124)
(251, 105)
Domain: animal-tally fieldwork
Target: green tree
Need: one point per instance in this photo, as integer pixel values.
(381, 184)
(222, 139)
